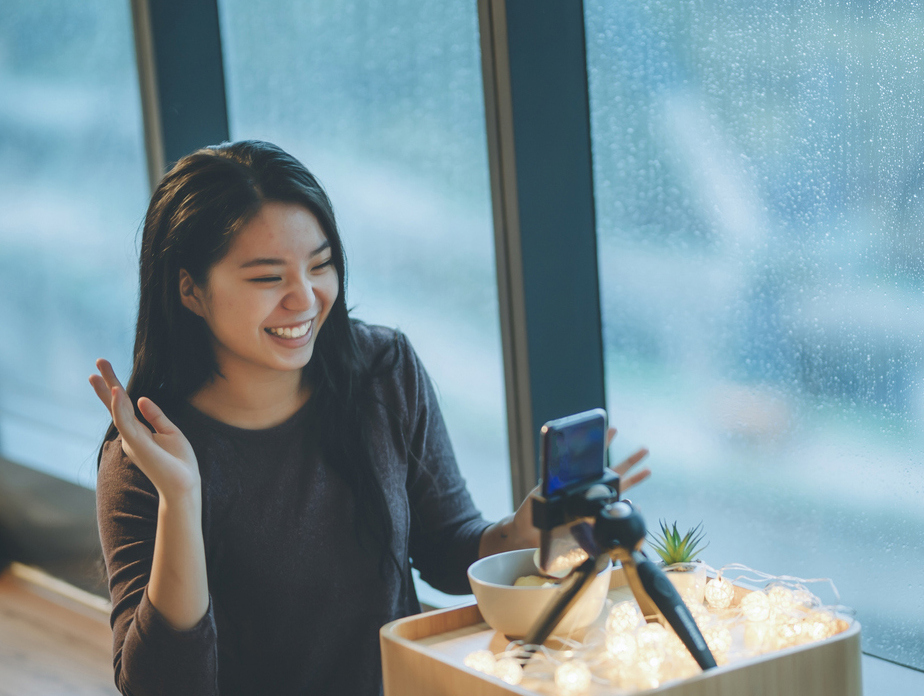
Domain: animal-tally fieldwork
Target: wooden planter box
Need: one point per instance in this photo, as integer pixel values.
(423, 656)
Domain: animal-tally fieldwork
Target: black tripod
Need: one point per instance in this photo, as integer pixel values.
(618, 533)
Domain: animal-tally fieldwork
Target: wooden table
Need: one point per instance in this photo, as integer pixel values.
(54, 639)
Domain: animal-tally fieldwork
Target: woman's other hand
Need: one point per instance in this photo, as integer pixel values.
(164, 456)
(517, 531)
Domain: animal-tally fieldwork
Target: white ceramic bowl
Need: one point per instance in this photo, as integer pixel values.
(513, 610)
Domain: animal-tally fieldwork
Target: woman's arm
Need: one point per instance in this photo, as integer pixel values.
(178, 587)
(150, 517)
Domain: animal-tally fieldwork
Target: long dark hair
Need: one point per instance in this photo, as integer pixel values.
(197, 210)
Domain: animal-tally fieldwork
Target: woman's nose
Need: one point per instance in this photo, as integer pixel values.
(300, 297)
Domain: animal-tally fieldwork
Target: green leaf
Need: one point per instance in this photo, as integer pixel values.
(674, 548)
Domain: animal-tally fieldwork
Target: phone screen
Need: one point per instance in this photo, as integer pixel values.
(574, 450)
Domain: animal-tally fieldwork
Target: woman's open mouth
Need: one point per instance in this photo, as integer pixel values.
(291, 333)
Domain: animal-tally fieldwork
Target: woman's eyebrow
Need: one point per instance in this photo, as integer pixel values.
(325, 245)
(263, 262)
(281, 262)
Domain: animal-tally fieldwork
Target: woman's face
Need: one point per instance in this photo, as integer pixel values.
(267, 299)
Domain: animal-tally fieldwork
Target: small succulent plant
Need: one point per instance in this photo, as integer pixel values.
(673, 548)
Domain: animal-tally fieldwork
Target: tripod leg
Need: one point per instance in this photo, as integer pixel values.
(665, 596)
(568, 594)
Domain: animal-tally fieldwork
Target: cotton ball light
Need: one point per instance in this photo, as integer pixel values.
(790, 631)
(699, 613)
(759, 636)
(674, 647)
(681, 661)
(481, 661)
(573, 677)
(623, 618)
(755, 606)
(509, 670)
(802, 597)
(818, 626)
(621, 646)
(649, 658)
(719, 640)
(652, 642)
(781, 599)
(652, 634)
(719, 593)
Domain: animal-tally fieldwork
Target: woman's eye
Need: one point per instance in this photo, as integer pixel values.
(266, 279)
(323, 265)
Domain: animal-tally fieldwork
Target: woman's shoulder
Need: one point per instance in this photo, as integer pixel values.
(383, 347)
(372, 339)
(390, 358)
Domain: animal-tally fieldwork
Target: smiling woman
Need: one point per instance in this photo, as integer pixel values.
(281, 437)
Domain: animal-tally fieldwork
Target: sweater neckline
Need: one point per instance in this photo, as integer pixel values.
(189, 411)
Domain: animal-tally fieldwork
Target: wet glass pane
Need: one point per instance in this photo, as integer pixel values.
(382, 100)
(759, 174)
(73, 190)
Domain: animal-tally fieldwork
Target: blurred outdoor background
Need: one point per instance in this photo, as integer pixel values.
(759, 173)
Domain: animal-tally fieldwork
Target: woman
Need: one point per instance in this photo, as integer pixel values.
(260, 526)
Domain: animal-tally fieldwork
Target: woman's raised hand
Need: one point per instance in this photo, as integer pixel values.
(164, 456)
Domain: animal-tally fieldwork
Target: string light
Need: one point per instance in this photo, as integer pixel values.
(755, 606)
(819, 625)
(719, 640)
(622, 646)
(573, 677)
(652, 643)
(633, 655)
(481, 661)
(509, 670)
(789, 631)
(719, 593)
(757, 636)
(804, 598)
(623, 617)
(699, 613)
(652, 634)
(650, 657)
(781, 599)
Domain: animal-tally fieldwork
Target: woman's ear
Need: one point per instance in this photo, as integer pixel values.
(190, 295)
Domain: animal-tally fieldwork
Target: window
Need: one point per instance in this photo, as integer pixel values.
(73, 188)
(383, 102)
(758, 175)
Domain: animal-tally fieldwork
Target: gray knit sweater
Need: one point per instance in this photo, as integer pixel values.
(295, 605)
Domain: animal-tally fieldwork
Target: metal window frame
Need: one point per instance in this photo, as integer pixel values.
(181, 78)
(538, 123)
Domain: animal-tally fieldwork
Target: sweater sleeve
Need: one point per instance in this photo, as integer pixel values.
(446, 527)
(150, 657)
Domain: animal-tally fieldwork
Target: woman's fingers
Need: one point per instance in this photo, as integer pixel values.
(153, 415)
(630, 461)
(104, 382)
(123, 415)
(610, 434)
(107, 373)
(627, 483)
(102, 391)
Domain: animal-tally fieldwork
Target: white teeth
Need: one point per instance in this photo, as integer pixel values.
(288, 332)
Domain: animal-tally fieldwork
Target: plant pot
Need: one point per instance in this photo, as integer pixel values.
(689, 579)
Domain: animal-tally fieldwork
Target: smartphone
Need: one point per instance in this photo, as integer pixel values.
(572, 453)
(572, 450)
